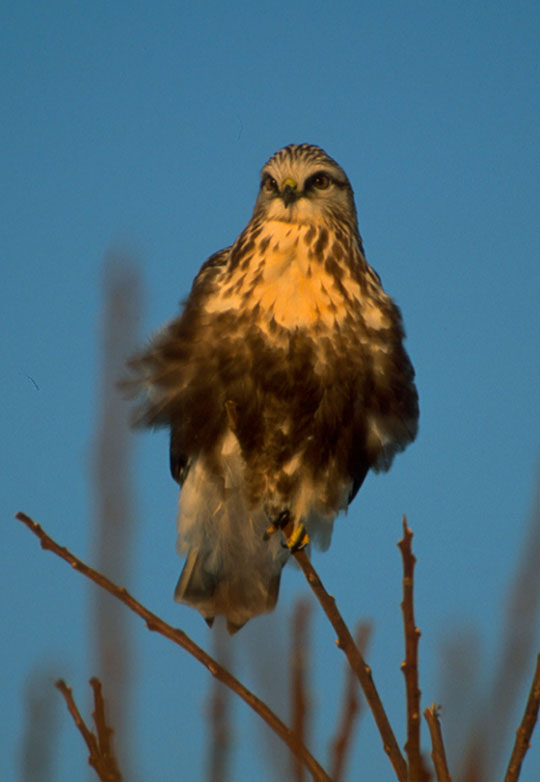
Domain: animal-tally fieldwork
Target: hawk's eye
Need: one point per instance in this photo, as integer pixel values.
(320, 181)
(269, 184)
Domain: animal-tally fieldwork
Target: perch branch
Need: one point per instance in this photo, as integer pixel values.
(177, 636)
(362, 670)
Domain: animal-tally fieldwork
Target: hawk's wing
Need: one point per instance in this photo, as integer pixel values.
(160, 365)
(179, 461)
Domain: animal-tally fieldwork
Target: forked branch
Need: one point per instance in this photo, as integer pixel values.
(100, 753)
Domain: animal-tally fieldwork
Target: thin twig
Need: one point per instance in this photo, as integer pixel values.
(524, 732)
(350, 710)
(177, 636)
(357, 663)
(438, 754)
(409, 667)
(299, 667)
(101, 756)
(104, 732)
(86, 733)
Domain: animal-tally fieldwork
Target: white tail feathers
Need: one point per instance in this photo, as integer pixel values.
(231, 568)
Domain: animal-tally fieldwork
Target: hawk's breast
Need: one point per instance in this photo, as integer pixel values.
(293, 275)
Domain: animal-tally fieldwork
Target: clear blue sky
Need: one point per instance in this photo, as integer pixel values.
(145, 124)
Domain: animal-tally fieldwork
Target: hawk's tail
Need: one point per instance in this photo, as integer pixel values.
(230, 568)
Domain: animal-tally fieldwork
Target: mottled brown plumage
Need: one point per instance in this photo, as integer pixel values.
(283, 382)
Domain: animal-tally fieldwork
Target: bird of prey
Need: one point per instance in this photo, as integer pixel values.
(283, 381)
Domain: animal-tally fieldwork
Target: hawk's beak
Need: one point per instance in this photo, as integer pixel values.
(288, 192)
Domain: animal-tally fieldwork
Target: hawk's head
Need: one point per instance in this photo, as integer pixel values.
(301, 183)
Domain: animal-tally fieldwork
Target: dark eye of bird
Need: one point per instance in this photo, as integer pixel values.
(319, 181)
(269, 184)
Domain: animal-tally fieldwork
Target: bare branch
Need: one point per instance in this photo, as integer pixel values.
(438, 753)
(357, 663)
(524, 732)
(104, 732)
(177, 636)
(350, 710)
(101, 757)
(88, 736)
(409, 667)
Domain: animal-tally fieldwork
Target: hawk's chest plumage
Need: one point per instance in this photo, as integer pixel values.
(293, 276)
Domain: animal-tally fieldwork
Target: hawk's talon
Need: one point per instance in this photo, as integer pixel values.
(298, 539)
(295, 536)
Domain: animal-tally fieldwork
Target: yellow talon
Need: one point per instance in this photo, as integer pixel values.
(298, 538)
(294, 533)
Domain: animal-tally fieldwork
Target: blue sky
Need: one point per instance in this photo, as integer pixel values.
(143, 126)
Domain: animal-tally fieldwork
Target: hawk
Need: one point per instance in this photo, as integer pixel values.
(283, 382)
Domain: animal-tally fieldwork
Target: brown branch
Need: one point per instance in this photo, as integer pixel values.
(88, 736)
(438, 754)
(417, 770)
(358, 664)
(350, 710)
(177, 636)
(101, 757)
(524, 732)
(104, 732)
(299, 665)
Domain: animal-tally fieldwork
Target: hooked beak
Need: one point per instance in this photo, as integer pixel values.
(288, 192)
